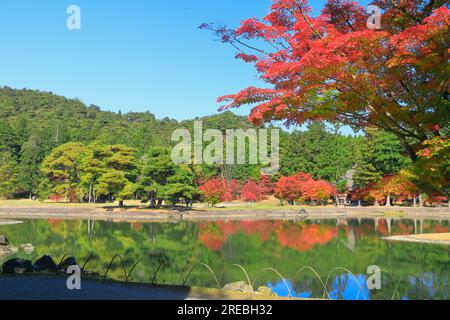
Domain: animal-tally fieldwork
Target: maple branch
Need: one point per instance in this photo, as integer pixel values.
(306, 20)
(309, 24)
(428, 9)
(383, 114)
(227, 35)
(249, 46)
(396, 6)
(391, 120)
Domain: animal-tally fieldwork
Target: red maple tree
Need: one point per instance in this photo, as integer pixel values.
(291, 188)
(387, 188)
(333, 67)
(213, 190)
(251, 192)
(302, 187)
(319, 191)
(267, 185)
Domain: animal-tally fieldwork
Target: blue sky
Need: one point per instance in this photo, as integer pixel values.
(137, 55)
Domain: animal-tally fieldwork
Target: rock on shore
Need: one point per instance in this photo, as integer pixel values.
(3, 241)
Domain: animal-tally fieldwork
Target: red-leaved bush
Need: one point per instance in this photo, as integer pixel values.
(302, 187)
(213, 190)
(251, 192)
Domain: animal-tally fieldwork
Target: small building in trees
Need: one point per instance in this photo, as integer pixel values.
(345, 197)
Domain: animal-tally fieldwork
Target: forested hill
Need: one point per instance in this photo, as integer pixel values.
(34, 123)
(54, 120)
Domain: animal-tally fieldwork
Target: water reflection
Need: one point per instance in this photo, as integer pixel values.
(354, 244)
(348, 287)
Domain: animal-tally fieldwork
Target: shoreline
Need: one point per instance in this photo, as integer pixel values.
(53, 287)
(432, 238)
(148, 215)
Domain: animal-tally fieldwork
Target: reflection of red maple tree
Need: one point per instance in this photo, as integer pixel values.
(55, 222)
(137, 226)
(298, 237)
(212, 236)
(260, 228)
(304, 238)
(403, 229)
(441, 229)
(382, 227)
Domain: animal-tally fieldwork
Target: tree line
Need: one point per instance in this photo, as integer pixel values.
(58, 148)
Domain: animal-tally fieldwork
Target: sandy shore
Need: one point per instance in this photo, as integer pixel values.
(433, 238)
(8, 222)
(135, 214)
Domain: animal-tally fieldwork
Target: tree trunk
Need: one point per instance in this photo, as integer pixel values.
(420, 201)
(409, 149)
(415, 202)
(388, 200)
(121, 204)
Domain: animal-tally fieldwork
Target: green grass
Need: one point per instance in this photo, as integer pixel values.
(394, 214)
(30, 203)
(137, 204)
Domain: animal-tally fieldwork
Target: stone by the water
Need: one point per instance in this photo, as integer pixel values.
(28, 248)
(266, 291)
(240, 286)
(45, 263)
(69, 261)
(3, 241)
(17, 266)
(7, 250)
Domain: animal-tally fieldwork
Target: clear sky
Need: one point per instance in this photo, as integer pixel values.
(136, 55)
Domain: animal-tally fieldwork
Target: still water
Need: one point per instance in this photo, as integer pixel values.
(310, 259)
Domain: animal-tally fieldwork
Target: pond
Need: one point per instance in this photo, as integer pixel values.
(309, 259)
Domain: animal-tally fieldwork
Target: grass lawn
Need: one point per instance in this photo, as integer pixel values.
(269, 204)
(31, 203)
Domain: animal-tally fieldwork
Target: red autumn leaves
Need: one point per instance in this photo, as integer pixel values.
(251, 192)
(218, 190)
(393, 186)
(332, 67)
(302, 187)
(298, 237)
(293, 189)
(214, 190)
